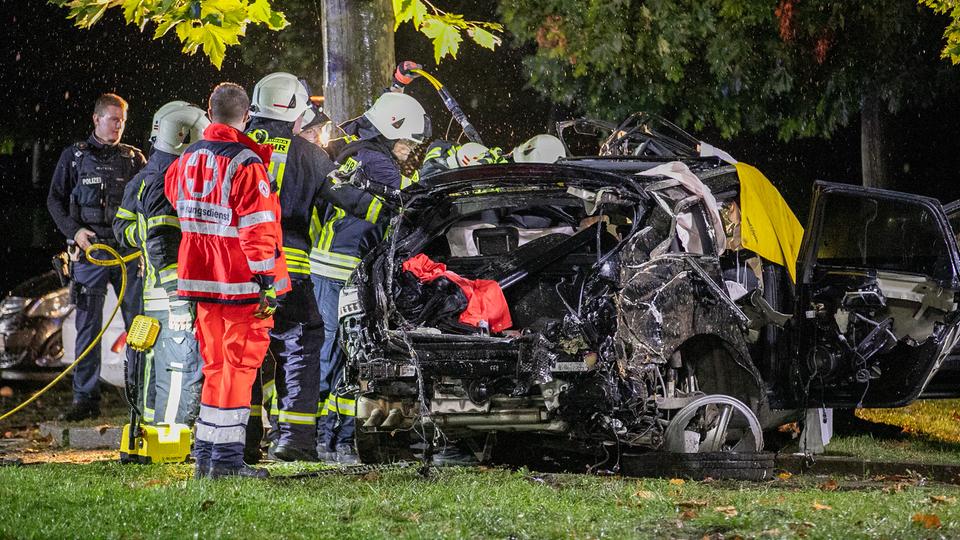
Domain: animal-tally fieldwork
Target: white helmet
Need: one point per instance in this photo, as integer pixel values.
(176, 125)
(398, 116)
(539, 149)
(466, 155)
(279, 96)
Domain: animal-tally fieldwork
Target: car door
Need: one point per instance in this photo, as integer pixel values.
(877, 290)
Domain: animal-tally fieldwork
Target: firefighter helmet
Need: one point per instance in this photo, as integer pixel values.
(539, 149)
(279, 96)
(398, 116)
(466, 155)
(176, 125)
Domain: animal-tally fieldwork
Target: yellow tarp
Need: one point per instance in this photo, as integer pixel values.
(768, 226)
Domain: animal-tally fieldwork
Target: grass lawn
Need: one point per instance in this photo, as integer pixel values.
(104, 499)
(108, 500)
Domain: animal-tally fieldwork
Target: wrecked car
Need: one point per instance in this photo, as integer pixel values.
(607, 302)
(31, 316)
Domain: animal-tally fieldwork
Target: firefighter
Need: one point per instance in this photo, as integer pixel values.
(85, 195)
(148, 222)
(375, 145)
(231, 263)
(443, 155)
(541, 148)
(298, 169)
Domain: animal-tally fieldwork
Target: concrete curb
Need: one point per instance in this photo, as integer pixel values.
(86, 438)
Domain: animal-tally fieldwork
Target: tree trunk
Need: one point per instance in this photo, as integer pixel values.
(358, 54)
(873, 153)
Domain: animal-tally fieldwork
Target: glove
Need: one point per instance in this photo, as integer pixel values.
(404, 74)
(268, 301)
(181, 316)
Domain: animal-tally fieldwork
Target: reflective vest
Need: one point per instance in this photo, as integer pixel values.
(229, 217)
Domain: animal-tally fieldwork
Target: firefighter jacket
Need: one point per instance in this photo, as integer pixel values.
(299, 169)
(229, 219)
(87, 186)
(339, 239)
(441, 156)
(146, 221)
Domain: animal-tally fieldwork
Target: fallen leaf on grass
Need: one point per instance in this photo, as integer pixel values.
(206, 505)
(6, 391)
(414, 517)
(643, 494)
(371, 476)
(942, 499)
(692, 504)
(820, 506)
(770, 532)
(896, 488)
(829, 485)
(927, 521)
(801, 529)
(785, 475)
(677, 481)
(688, 514)
(728, 511)
(7, 434)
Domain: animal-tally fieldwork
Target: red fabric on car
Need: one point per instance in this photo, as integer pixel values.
(485, 300)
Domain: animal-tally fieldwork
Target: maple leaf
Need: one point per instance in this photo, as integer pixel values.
(728, 511)
(820, 506)
(927, 521)
(677, 481)
(829, 485)
(446, 38)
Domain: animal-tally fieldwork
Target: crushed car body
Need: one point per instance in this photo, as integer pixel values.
(636, 317)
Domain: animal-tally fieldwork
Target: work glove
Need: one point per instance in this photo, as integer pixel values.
(404, 74)
(84, 238)
(181, 316)
(267, 304)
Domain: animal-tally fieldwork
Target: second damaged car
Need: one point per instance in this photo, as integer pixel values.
(617, 305)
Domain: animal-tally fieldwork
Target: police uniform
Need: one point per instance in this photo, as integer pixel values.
(87, 192)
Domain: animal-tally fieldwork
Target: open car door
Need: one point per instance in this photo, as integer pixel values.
(877, 298)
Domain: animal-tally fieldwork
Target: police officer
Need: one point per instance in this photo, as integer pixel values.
(85, 195)
(174, 381)
(376, 143)
(299, 171)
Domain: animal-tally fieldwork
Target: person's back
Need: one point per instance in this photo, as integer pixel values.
(232, 264)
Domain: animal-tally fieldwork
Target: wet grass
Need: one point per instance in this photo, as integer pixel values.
(108, 500)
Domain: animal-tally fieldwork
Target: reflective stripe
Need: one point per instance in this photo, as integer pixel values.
(256, 411)
(407, 181)
(213, 229)
(130, 233)
(168, 274)
(173, 397)
(217, 287)
(343, 406)
(148, 415)
(169, 221)
(232, 167)
(204, 211)
(373, 211)
(123, 213)
(221, 435)
(297, 418)
(434, 153)
(262, 266)
(224, 417)
(249, 220)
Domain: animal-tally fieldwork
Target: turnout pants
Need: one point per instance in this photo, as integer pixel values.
(90, 282)
(295, 343)
(337, 411)
(232, 344)
(175, 375)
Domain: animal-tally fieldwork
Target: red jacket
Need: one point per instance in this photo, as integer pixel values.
(229, 217)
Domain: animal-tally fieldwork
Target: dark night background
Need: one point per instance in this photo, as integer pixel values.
(52, 72)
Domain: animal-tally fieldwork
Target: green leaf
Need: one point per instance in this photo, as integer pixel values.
(446, 38)
(483, 38)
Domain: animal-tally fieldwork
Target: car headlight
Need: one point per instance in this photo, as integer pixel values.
(51, 306)
(12, 304)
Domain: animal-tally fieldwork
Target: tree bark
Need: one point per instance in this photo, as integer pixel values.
(873, 136)
(358, 54)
